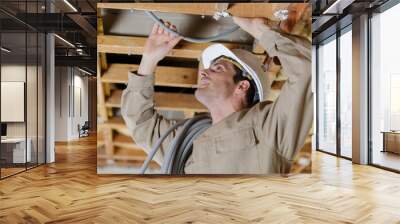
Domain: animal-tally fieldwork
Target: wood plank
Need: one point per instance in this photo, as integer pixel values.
(126, 157)
(108, 141)
(115, 123)
(101, 108)
(235, 9)
(164, 101)
(164, 75)
(101, 65)
(178, 102)
(124, 141)
(134, 46)
(124, 163)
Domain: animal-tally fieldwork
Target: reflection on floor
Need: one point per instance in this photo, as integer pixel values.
(387, 159)
(11, 169)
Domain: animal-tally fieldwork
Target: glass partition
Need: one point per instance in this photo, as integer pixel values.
(385, 89)
(346, 93)
(14, 153)
(22, 88)
(327, 96)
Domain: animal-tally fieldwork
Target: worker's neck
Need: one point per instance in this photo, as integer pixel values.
(221, 110)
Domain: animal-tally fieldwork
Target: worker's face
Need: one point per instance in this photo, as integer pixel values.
(216, 83)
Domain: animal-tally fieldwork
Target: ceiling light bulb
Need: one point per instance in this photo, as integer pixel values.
(70, 5)
(5, 49)
(64, 40)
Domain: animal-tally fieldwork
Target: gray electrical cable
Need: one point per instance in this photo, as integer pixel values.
(186, 150)
(184, 145)
(166, 167)
(180, 148)
(157, 146)
(191, 39)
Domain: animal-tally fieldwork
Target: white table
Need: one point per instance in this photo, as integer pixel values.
(19, 155)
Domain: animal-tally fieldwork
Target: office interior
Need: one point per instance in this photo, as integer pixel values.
(48, 82)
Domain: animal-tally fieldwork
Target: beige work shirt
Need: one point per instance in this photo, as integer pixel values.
(263, 139)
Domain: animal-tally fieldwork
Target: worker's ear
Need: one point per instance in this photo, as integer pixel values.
(242, 87)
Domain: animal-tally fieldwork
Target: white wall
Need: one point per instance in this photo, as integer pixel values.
(33, 126)
(70, 83)
(12, 73)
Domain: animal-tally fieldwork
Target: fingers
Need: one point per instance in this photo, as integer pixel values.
(157, 29)
(171, 27)
(174, 41)
(160, 29)
(167, 36)
(154, 30)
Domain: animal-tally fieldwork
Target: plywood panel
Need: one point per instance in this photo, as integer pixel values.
(164, 101)
(135, 45)
(236, 9)
(164, 75)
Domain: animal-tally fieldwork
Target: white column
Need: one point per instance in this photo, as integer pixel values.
(50, 94)
(360, 90)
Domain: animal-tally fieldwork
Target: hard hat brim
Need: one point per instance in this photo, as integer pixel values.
(216, 50)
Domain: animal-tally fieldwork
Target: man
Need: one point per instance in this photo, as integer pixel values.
(248, 135)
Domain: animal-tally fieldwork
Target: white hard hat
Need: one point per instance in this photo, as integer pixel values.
(250, 63)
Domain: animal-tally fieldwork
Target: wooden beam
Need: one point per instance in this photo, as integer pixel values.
(124, 141)
(164, 75)
(164, 101)
(178, 102)
(135, 45)
(101, 65)
(108, 142)
(115, 123)
(266, 10)
(102, 112)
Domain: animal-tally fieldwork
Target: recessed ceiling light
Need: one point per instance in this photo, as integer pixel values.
(337, 7)
(5, 49)
(70, 5)
(64, 40)
(84, 71)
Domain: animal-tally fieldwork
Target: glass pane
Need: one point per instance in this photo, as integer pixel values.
(13, 87)
(41, 99)
(345, 94)
(327, 97)
(32, 88)
(385, 89)
(31, 98)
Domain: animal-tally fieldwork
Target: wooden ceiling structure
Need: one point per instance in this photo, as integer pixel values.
(115, 147)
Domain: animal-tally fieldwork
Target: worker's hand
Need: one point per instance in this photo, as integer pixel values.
(158, 45)
(251, 25)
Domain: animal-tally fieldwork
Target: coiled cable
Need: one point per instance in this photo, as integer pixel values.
(181, 147)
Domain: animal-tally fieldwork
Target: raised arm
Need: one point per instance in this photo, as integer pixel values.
(137, 103)
(286, 123)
